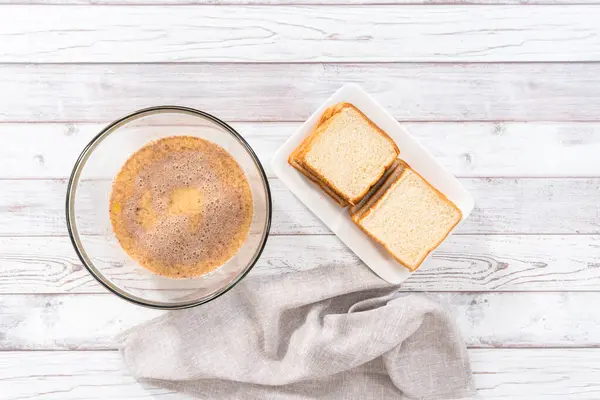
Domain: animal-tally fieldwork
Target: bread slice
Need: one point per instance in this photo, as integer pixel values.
(379, 188)
(326, 189)
(347, 152)
(294, 163)
(409, 217)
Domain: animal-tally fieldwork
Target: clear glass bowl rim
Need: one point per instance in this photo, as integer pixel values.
(74, 180)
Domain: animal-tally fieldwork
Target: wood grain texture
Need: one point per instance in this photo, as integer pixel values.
(473, 149)
(524, 271)
(553, 374)
(507, 374)
(299, 2)
(291, 92)
(462, 263)
(501, 319)
(72, 375)
(298, 34)
(502, 206)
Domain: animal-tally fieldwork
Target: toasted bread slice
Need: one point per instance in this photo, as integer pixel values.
(410, 218)
(347, 152)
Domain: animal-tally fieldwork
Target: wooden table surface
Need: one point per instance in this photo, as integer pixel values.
(505, 93)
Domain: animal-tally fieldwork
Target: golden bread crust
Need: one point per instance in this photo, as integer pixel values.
(293, 160)
(378, 189)
(427, 251)
(325, 120)
(326, 189)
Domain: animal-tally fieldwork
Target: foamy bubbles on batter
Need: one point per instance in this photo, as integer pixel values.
(181, 206)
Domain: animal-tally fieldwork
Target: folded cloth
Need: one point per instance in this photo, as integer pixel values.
(332, 332)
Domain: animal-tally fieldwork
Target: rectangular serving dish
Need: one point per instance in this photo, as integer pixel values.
(337, 218)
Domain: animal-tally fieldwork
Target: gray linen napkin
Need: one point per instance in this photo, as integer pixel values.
(331, 332)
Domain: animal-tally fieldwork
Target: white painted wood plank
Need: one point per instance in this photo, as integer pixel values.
(72, 375)
(520, 205)
(474, 149)
(501, 319)
(300, 2)
(291, 92)
(525, 374)
(514, 374)
(463, 263)
(42, 34)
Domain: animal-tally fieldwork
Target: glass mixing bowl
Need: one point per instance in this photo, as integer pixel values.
(87, 208)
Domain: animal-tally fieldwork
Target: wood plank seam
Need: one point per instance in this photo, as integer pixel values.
(411, 92)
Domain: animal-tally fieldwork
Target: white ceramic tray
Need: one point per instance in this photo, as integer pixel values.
(337, 218)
